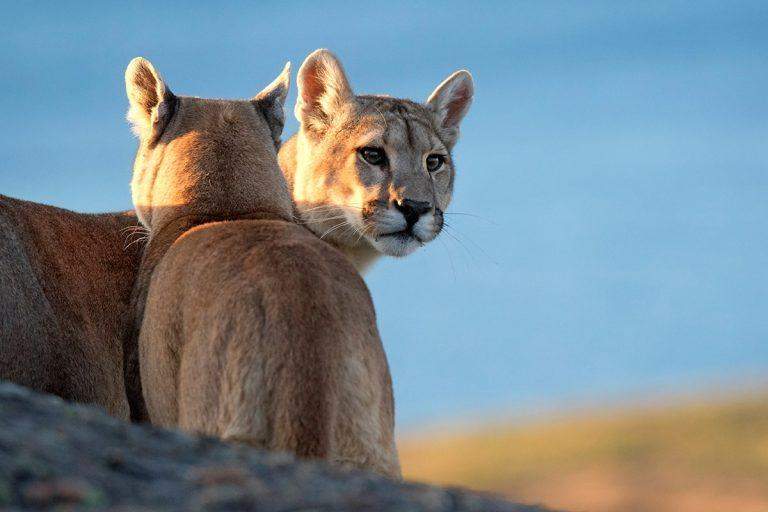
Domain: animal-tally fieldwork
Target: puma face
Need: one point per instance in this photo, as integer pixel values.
(374, 171)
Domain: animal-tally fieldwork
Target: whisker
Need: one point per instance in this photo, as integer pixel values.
(323, 219)
(463, 245)
(319, 207)
(137, 227)
(363, 232)
(138, 240)
(483, 251)
(450, 259)
(337, 226)
(486, 219)
(330, 207)
(135, 231)
(350, 229)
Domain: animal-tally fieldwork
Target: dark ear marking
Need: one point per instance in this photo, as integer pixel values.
(152, 104)
(271, 102)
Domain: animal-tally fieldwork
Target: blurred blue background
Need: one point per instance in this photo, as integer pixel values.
(615, 156)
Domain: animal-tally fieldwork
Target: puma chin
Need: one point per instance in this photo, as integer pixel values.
(391, 232)
(372, 174)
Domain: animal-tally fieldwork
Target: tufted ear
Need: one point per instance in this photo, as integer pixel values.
(450, 102)
(151, 102)
(271, 100)
(323, 90)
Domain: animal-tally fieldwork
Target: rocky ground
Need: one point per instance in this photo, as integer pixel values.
(56, 455)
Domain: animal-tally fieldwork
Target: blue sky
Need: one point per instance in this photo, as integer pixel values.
(615, 156)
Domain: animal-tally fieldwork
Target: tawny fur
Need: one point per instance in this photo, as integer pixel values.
(67, 276)
(66, 280)
(346, 200)
(250, 327)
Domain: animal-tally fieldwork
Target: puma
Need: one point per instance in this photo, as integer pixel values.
(66, 281)
(249, 327)
(372, 175)
(67, 277)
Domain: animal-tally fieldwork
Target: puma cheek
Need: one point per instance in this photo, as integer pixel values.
(427, 228)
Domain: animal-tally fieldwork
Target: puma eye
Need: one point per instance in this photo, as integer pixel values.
(374, 156)
(435, 162)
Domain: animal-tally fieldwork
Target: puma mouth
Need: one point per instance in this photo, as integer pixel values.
(402, 235)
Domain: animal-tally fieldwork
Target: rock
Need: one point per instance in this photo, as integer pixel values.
(57, 455)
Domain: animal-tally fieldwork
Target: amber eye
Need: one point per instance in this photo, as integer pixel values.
(435, 162)
(374, 156)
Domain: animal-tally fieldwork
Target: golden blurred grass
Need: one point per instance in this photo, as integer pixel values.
(706, 457)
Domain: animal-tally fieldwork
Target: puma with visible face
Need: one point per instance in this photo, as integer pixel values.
(249, 327)
(372, 174)
(67, 277)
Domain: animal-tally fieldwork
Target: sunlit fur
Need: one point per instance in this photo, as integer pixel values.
(248, 327)
(66, 281)
(349, 202)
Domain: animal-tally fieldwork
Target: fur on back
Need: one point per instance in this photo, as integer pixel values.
(249, 327)
(66, 279)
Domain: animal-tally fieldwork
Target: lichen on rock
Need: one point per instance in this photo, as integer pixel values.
(57, 455)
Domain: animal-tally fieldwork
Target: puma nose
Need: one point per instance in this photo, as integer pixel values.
(412, 210)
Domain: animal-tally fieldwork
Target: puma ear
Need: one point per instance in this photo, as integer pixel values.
(323, 90)
(450, 102)
(272, 99)
(150, 99)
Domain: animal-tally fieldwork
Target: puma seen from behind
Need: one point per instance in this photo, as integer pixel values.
(251, 328)
(65, 287)
(67, 276)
